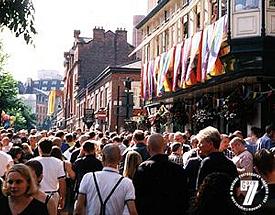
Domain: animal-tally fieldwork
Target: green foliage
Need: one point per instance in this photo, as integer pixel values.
(18, 16)
(9, 102)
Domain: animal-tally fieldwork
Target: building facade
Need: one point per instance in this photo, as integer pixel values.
(209, 63)
(88, 58)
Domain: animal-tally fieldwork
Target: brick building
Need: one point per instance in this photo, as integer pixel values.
(86, 60)
(105, 95)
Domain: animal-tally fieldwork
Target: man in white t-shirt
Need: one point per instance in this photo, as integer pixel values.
(5, 162)
(106, 191)
(243, 159)
(53, 181)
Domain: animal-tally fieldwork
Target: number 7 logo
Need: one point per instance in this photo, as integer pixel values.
(251, 187)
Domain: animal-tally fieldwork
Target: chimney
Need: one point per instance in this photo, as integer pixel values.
(76, 34)
(121, 34)
(98, 34)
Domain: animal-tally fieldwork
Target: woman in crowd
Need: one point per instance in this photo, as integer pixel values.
(37, 172)
(132, 161)
(19, 188)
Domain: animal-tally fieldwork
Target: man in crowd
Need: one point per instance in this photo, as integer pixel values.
(243, 159)
(88, 163)
(265, 142)
(161, 185)
(106, 191)
(214, 161)
(53, 182)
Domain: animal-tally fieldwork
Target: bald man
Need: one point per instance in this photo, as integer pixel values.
(161, 185)
(106, 191)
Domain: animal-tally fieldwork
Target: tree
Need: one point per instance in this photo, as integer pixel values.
(18, 16)
(9, 102)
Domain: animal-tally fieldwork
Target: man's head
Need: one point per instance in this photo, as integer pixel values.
(138, 136)
(224, 142)
(45, 146)
(209, 140)
(111, 155)
(180, 137)
(237, 145)
(83, 138)
(176, 148)
(88, 147)
(270, 131)
(156, 144)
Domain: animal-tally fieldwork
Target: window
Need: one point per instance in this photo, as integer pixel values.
(241, 5)
(44, 88)
(185, 26)
(45, 82)
(53, 88)
(271, 3)
(54, 82)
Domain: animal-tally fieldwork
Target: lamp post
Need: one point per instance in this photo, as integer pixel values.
(127, 84)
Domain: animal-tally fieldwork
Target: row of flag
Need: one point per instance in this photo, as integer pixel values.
(192, 61)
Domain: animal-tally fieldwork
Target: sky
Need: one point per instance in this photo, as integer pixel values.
(55, 21)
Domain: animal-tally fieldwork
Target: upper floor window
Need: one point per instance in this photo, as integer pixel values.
(241, 5)
(271, 3)
(45, 82)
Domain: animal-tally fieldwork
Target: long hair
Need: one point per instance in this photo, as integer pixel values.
(132, 161)
(25, 172)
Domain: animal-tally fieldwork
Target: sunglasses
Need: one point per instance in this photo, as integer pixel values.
(18, 181)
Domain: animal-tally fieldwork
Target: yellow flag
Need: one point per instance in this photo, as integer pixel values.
(51, 102)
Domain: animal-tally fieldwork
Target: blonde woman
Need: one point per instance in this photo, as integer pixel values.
(132, 161)
(19, 188)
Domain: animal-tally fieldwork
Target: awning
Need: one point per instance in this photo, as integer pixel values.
(166, 25)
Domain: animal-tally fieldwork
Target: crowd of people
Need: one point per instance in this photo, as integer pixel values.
(93, 172)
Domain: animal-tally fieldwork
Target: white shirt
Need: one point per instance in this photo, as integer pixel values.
(244, 161)
(106, 179)
(5, 160)
(53, 170)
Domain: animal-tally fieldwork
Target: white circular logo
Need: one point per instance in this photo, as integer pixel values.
(249, 186)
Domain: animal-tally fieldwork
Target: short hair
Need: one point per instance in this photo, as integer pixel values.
(100, 134)
(237, 139)
(25, 172)
(56, 152)
(69, 137)
(111, 154)
(59, 134)
(36, 166)
(89, 146)
(270, 128)
(138, 135)
(116, 139)
(211, 134)
(45, 145)
(175, 146)
(56, 141)
(14, 151)
(92, 134)
(264, 161)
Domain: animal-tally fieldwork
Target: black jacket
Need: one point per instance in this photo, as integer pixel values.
(161, 187)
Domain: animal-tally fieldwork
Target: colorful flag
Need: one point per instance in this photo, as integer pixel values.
(185, 55)
(177, 63)
(213, 68)
(206, 44)
(190, 78)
